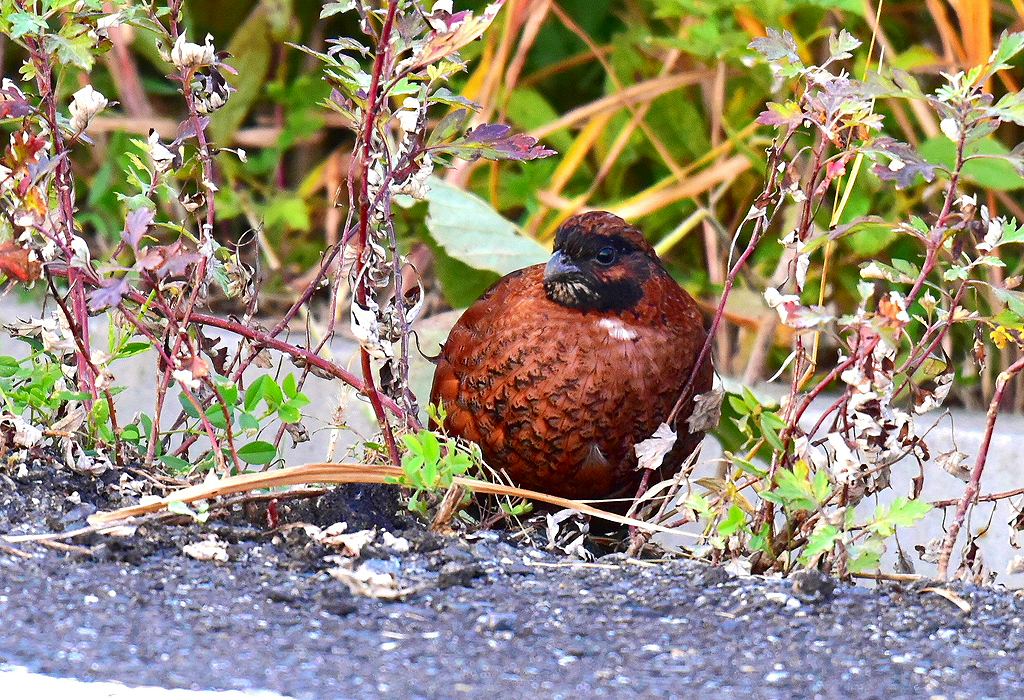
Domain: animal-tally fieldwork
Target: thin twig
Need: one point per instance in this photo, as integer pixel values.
(974, 484)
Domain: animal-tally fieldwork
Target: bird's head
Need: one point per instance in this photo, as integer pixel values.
(600, 263)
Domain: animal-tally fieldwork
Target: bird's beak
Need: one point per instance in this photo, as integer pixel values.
(559, 267)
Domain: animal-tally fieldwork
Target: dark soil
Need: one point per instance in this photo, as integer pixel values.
(479, 617)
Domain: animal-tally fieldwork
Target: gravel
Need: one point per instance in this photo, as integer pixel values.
(472, 616)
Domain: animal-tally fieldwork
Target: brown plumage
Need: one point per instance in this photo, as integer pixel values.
(557, 371)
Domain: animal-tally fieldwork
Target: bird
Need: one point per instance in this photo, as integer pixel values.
(560, 369)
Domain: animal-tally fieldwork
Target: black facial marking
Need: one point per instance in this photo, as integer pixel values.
(599, 271)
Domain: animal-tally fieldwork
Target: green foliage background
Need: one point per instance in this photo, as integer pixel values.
(650, 104)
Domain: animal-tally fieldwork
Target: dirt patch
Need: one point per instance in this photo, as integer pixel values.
(473, 616)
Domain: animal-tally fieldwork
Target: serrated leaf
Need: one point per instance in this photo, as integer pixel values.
(819, 543)
(493, 142)
(732, 523)
(23, 23)
(840, 46)
(903, 512)
(776, 46)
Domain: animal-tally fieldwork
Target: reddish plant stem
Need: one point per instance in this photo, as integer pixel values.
(161, 394)
(65, 186)
(936, 238)
(974, 484)
(987, 498)
(382, 55)
(264, 339)
(80, 345)
(207, 426)
(755, 238)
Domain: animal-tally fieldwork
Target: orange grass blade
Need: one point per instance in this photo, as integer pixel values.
(343, 473)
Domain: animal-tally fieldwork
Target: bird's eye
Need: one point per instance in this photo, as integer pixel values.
(606, 256)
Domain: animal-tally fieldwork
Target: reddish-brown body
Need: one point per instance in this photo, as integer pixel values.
(557, 396)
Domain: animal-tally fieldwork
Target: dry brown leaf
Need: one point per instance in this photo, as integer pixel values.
(950, 596)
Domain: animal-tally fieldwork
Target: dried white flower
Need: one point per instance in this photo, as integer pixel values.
(52, 330)
(954, 462)
(85, 104)
(185, 54)
(650, 453)
(966, 201)
(186, 378)
(25, 434)
(950, 128)
(210, 549)
(80, 255)
(408, 116)
(163, 157)
(417, 186)
(844, 467)
(993, 233)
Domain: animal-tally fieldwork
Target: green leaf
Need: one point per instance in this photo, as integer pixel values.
(72, 50)
(23, 23)
(460, 283)
(738, 404)
(470, 231)
(289, 413)
(175, 464)
(247, 421)
(991, 173)
(1009, 46)
(9, 366)
(412, 443)
(258, 452)
(431, 448)
(1014, 300)
(795, 491)
(290, 386)
(251, 47)
(286, 213)
(732, 522)
(865, 555)
(334, 8)
(132, 349)
(819, 543)
(450, 126)
(265, 389)
(229, 394)
(216, 417)
(759, 542)
(771, 435)
(180, 508)
(903, 512)
(187, 406)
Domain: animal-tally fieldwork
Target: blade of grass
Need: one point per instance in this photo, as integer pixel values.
(344, 473)
(641, 92)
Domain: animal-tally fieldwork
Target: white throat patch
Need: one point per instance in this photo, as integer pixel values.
(617, 329)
